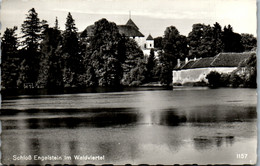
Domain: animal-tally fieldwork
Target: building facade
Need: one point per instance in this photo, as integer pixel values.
(196, 70)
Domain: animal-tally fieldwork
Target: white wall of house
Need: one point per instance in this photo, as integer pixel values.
(140, 41)
(147, 53)
(149, 44)
(197, 75)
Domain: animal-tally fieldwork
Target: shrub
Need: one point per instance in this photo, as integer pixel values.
(214, 79)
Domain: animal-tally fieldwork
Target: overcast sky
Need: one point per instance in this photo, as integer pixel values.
(151, 16)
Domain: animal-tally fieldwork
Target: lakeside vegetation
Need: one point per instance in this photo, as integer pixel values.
(243, 76)
(47, 57)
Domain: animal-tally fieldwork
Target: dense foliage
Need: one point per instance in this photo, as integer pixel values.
(46, 57)
(10, 60)
(244, 76)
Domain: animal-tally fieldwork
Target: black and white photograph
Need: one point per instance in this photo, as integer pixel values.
(128, 82)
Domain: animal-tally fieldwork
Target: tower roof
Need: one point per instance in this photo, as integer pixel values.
(149, 37)
(129, 31)
(131, 23)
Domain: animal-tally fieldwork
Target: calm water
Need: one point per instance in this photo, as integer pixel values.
(184, 126)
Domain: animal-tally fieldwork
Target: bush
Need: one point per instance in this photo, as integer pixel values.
(236, 80)
(214, 79)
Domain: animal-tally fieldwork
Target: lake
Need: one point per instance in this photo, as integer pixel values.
(135, 126)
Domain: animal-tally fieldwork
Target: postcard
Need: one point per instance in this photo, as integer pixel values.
(128, 82)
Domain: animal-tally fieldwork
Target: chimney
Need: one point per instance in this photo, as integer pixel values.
(186, 60)
(178, 63)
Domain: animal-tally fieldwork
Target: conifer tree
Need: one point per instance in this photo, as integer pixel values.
(50, 75)
(56, 26)
(10, 59)
(150, 66)
(31, 28)
(231, 40)
(70, 53)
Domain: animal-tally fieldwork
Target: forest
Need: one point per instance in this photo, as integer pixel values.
(47, 57)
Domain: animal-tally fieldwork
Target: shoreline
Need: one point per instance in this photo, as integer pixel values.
(6, 93)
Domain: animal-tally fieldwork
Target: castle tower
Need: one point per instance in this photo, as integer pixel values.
(149, 42)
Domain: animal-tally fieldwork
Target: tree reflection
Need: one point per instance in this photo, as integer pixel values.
(171, 118)
(205, 142)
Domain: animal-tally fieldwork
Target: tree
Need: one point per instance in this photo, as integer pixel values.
(214, 79)
(151, 64)
(246, 74)
(50, 75)
(251, 72)
(158, 42)
(136, 76)
(70, 53)
(231, 40)
(31, 29)
(248, 41)
(56, 26)
(134, 68)
(174, 43)
(166, 65)
(202, 40)
(217, 36)
(10, 59)
(132, 55)
(105, 55)
(174, 47)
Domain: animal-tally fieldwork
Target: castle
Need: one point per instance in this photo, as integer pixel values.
(131, 30)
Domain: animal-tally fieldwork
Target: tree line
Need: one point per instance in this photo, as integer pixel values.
(203, 41)
(47, 57)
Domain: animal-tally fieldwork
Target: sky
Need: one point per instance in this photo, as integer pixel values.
(151, 16)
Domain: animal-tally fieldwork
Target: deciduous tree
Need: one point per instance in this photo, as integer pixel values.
(105, 55)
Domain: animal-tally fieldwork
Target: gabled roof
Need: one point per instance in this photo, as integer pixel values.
(229, 59)
(188, 65)
(200, 63)
(129, 31)
(149, 37)
(131, 23)
(220, 60)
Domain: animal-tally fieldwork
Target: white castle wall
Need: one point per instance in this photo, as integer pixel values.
(140, 41)
(149, 44)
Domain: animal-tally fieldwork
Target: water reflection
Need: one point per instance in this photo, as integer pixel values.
(205, 142)
(154, 128)
(102, 117)
(40, 119)
(171, 118)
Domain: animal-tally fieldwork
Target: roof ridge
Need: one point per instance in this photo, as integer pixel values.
(211, 64)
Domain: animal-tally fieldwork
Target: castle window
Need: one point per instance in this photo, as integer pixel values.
(150, 45)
